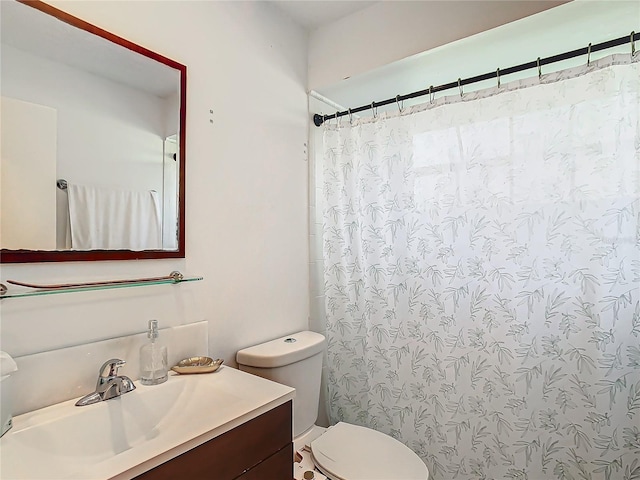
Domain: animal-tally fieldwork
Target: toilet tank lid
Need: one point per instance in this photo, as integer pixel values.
(282, 351)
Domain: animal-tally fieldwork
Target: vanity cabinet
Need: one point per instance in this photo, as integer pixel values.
(259, 449)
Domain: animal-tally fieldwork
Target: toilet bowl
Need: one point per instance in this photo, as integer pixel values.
(343, 451)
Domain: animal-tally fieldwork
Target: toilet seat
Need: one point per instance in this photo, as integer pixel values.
(350, 452)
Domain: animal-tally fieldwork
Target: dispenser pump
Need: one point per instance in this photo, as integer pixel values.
(153, 358)
(153, 330)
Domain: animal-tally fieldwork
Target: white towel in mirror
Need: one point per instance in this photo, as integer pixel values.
(111, 219)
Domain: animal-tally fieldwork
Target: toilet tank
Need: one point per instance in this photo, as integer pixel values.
(295, 361)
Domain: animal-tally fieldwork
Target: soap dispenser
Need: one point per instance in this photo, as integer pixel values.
(153, 358)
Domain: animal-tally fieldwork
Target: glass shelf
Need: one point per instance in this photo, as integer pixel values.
(36, 292)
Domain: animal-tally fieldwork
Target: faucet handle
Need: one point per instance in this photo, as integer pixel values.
(110, 367)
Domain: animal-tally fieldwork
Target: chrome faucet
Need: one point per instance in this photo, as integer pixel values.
(109, 385)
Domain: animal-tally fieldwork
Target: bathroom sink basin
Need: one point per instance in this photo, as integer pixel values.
(117, 437)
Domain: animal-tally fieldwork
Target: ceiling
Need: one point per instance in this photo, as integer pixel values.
(312, 14)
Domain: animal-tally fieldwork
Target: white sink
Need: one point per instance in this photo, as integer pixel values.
(125, 436)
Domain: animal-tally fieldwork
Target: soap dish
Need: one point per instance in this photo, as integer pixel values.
(197, 365)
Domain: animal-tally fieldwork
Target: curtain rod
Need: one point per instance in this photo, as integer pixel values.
(320, 119)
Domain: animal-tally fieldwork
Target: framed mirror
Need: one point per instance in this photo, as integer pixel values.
(93, 142)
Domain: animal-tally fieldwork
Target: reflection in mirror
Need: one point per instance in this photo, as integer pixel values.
(102, 114)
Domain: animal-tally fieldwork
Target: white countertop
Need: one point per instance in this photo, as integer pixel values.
(124, 437)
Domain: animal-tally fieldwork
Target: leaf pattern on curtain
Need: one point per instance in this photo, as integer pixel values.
(482, 274)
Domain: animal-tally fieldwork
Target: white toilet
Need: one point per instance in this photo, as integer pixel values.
(341, 452)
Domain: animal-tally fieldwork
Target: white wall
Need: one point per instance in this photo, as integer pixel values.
(103, 125)
(317, 319)
(316, 206)
(389, 31)
(246, 189)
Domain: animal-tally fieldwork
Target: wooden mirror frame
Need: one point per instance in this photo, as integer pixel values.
(33, 256)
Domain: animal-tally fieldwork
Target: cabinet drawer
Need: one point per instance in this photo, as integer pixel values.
(278, 466)
(231, 454)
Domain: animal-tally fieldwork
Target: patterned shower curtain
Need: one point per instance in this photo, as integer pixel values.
(482, 277)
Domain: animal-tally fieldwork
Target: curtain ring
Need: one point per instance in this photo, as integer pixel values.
(498, 76)
(350, 117)
(373, 110)
(589, 55)
(633, 44)
(398, 103)
(460, 86)
(539, 69)
(431, 95)
(336, 117)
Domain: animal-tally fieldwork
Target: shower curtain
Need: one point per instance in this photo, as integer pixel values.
(482, 276)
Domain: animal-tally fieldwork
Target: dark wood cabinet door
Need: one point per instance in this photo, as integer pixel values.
(261, 443)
